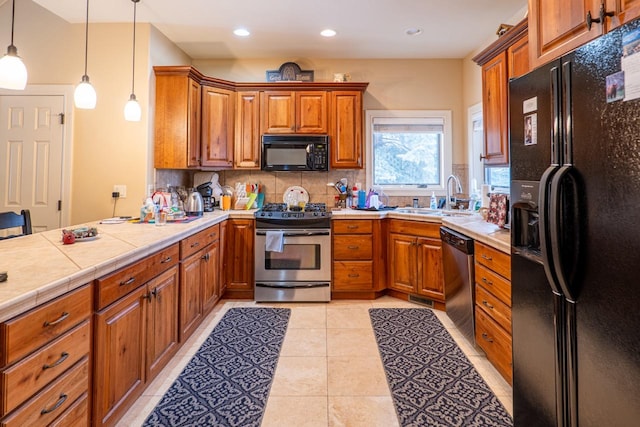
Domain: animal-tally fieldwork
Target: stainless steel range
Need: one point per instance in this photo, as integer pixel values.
(293, 253)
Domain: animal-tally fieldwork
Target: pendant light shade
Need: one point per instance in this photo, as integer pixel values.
(132, 110)
(13, 73)
(85, 95)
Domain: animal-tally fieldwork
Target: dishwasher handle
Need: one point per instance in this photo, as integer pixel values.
(457, 240)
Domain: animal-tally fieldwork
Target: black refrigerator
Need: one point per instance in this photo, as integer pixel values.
(575, 193)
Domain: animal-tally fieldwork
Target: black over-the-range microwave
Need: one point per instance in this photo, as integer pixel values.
(295, 152)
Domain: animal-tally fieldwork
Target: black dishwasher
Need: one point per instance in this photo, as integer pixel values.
(457, 261)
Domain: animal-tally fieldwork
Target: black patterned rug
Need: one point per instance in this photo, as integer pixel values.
(431, 380)
(228, 380)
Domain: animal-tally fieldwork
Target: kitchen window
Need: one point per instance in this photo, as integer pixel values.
(409, 151)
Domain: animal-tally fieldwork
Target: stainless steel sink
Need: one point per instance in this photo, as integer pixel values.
(433, 212)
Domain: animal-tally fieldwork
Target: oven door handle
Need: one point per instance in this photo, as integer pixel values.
(293, 285)
(303, 234)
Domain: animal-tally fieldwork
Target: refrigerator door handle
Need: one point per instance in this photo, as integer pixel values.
(564, 227)
(544, 226)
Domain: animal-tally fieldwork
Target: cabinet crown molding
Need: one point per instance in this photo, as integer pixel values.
(191, 72)
(509, 38)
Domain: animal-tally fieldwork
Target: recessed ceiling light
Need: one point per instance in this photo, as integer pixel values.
(413, 31)
(242, 32)
(327, 33)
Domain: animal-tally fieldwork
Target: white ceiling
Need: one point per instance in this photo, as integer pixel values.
(290, 28)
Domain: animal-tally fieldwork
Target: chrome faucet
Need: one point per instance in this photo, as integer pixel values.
(458, 189)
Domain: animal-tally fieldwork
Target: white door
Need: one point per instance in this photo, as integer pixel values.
(31, 140)
(476, 148)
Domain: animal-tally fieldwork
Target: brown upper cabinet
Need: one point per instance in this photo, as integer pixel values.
(506, 58)
(294, 112)
(203, 122)
(177, 120)
(218, 115)
(559, 26)
(346, 130)
(247, 140)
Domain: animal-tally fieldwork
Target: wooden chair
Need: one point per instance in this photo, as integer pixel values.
(13, 220)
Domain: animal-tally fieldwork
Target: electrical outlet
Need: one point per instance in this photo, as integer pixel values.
(122, 189)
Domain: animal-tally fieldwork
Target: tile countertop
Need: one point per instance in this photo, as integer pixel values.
(41, 268)
(472, 225)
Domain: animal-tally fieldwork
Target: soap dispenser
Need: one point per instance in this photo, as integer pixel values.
(434, 201)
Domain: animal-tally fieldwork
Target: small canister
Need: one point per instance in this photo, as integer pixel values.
(415, 203)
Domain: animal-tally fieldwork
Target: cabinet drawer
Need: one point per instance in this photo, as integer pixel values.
(415, 228)
(118, 284)
(495, 308)
(77, 415)
(495, 342)
(25, 378)
(353, 276)
(493, 259)
(352, 247)
(361, 226)
(51, 402)
(25, 333)
(497, 285)
(195, 242)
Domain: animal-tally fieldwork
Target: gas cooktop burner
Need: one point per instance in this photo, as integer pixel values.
(280, 211)
(282, 207)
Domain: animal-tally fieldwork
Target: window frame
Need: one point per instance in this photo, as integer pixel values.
(446, 160)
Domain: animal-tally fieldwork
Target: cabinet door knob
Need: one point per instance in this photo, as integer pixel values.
(600, 20)
(482, 157)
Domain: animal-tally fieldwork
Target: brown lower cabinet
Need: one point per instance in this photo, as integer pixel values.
(237, 268)
(135, 337)
(199, 278)
(44, 362)
(415, 260)
(493, 307)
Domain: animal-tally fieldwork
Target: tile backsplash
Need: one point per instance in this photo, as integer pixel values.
(274, 184)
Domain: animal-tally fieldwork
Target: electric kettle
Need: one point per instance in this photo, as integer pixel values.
(194, 206)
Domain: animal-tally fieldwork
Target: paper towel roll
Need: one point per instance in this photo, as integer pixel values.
(485, 195)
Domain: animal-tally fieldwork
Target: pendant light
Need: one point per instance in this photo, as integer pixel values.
(85, 95)
(13, 73)
(132, 111)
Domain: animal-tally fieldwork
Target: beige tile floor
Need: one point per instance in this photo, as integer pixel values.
(329, 372)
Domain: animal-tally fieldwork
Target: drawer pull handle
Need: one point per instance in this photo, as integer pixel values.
(488, 282)
(60, 401)
(353, 247)
(486, 304)
(58, 320)
(128, 282)
(63, 356)
(486, 337)
(166, 260)
(488, 258)
(354, 275)
(193, 245)
(353, 227)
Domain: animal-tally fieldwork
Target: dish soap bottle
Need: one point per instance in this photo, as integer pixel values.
(434, 201)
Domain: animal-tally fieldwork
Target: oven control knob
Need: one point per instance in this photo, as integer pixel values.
(285, 215)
